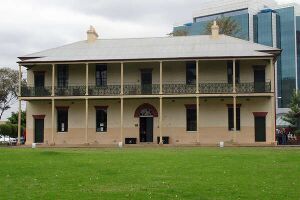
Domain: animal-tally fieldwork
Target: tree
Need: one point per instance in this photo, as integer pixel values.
(9, 80)
(227, 25)
(13, 119)
(178, 32)
(292, 116)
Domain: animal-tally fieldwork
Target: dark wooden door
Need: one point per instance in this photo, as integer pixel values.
(259, 80)
(146, 129)
(39, 84)
(260, 129)
(39, 130)
(146, 81)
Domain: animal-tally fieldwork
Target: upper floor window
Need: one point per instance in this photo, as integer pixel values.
(62, 119)
(101, 75)
(62, 76)
(230, 72)
(101, 119)
(191, 73)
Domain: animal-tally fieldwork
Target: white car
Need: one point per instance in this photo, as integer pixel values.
(4, 140)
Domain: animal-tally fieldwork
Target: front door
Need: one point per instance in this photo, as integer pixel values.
(260, 129)
(39, 130)
(259, 80)
(146, 81)
(146, 129)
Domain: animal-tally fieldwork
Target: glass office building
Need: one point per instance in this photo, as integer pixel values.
(272, 26)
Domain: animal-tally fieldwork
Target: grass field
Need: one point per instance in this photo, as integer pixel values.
(167, 173)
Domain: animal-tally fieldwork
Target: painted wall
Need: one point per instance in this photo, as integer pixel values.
(213, 120)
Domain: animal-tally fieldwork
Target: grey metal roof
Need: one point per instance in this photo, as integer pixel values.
(201, 46)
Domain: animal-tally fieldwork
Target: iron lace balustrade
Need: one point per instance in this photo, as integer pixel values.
(148, 89)
(215, 88)
(31, 91)
(179, 89)
(70, 91)
(253, 87)
(108, 90)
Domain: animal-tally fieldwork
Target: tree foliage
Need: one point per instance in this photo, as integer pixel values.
(227, 26)
(9, 79)
(292, 116)
(178, 32)
(13, 119)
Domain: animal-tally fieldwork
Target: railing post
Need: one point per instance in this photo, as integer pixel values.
(160, 77)
(122, 78)
(87, 79)
(53, 80)
(233, 76)
(197, 76)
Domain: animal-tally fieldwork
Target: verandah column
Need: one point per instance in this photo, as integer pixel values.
(197, 120)
(53, 80)
(121, 120)
(234, 119)
(197, 76)
(122, 78)
(160, 120)
(86, 119)
(52, 120)
(87, 79)
(20, 109)
(160, 77)
(273, 99)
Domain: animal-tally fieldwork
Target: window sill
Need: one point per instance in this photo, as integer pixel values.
(62, 132)
(191, 132)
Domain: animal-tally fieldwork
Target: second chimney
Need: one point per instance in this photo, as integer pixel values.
(215, 30)
(92, 35)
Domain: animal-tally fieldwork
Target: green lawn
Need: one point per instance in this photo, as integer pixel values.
(166, 173)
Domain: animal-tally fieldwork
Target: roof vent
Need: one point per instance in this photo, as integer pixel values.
(215, 30)
(92, 35)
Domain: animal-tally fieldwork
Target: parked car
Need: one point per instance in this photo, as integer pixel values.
(13, 141)
(3, 139)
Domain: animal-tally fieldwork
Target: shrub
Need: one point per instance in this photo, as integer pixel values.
(6, 129)
(297, 132)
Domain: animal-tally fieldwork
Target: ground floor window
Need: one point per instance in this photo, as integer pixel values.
(62, 120)
(191, 118)
(101, 120)
(231, 120)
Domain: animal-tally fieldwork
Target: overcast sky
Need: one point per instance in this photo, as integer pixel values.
(27, 26)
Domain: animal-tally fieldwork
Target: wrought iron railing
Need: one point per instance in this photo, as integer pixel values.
(70, 91)
(215, 88)
(253, 87)
(179, 89)
(108, 90)
(150, 89)
(30, 91)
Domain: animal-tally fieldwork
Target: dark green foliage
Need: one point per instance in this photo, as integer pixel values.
(13, 119)
(6, 129)
(293, 115)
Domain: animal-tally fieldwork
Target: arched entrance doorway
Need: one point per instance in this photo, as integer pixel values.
(146, 112)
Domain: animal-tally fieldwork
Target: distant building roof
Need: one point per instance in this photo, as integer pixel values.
(185, 47)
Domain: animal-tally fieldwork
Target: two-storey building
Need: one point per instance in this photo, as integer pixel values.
(179, 90)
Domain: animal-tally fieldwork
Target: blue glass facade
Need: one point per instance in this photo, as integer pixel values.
(262, 28)
(199, 27)
(287, 39)
(288, 60)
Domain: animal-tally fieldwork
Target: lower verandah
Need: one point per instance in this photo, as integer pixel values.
(212, 122)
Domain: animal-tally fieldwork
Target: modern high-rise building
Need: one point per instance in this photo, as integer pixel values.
(264, 22)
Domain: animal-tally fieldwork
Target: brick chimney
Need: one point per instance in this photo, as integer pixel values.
(92, 35)
(215, 31)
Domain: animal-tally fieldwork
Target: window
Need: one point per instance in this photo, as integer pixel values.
(191, 73)
(191, 118)
(230, 119)
(101, 75)
(62, 119)
(230, 72)
(62, 76)
(101, 119)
